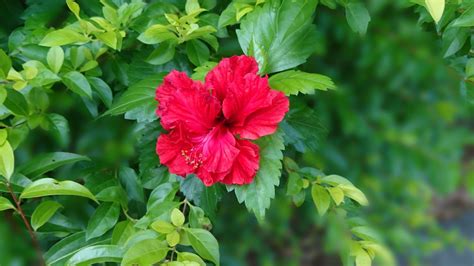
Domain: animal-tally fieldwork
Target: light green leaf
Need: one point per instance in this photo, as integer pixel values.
(355, 194)
(335, 180)
(89, 66)
(74, 7)
(49, 161)
(177, 217)
(292, 82)
(7, 160)
(337, 194)
(43, 213)
(173, 238)
(5, 204)
(51, 187)
(122, 232)
(363, 258)
(139, 95)
(204, 243)
(258, 194)
(55, 58)
(104, 218)
(63, 37)
(435, 8)
(358, 17)
(201, 71)
(162, 227)
(78, 83)
(157, 34)
(96, 254)
(5, 64)
(192, 6)
(366, 233)
(145, 252)
(186, 256)
(279, 34)
(321, 198)
(197, 52)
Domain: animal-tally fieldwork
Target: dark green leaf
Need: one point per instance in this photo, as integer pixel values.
(258, 194)
(280, 35)
(163, 54)
(204, 243)
(197, 52)
(60, 128)
(104, 218)
(76, 82)
(16, 103)
(102, 89)
(47, 162)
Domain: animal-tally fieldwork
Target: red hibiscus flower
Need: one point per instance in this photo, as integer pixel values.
(210, 125)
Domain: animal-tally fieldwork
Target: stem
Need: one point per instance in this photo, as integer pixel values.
(28, 226)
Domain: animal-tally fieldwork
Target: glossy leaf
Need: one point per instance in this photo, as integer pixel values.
(435, 8)
(78, 83)
(358, 17)
(49, 161)
(104, 218)
(51, 187)
(16, 102)
(55, 58)
(321, 198)
(7, 160)
(96, 254)
(145, 252)
(43, 213)
(292, 82)
(204, 243)
(5, 204)
(63, 37)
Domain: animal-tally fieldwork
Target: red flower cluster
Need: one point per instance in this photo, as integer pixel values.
(210, 124)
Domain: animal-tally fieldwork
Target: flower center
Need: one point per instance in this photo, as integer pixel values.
(192, 157)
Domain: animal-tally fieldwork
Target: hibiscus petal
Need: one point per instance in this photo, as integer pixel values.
(183, 100)
(218, 149)
(228, 71)
(253, 109)
(245, 166)
(170, 148)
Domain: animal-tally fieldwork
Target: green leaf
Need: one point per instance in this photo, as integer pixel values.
(337, 194)
(137, 96)
(113, 194)
(335, 180)
(197, 52)
(162, 227)
(201, 71)
(7, 160)
(366, 233)
(303, 129)
(51, 187)
(292, 82)
(192, 6)
(145, 252)
(5, 204)
(258, 194)
(435, 8)
(43, 213)
(157, 34)
(60, 252)
(279, 34)
(78, 83)
(104, 218)
(177, 217)
(186, 256)
(355, 194)
(55, 58)
(454, 39)
(321, 198)
(173, 238)
(96, 254)
(60, 128)
(204, 243)
(102, 89)
(228, 16)
(49, 161)
(358, 17)
(63, 37)
(5, 64)
(163, 192)
(16, 103)
(363, 258)
(122, 232)
(163, 54)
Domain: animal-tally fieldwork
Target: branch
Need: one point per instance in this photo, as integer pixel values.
(28, 227)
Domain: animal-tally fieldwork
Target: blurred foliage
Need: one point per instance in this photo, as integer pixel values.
(397, 126)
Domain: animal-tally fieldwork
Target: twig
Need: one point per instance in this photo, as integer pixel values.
(28, 226)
